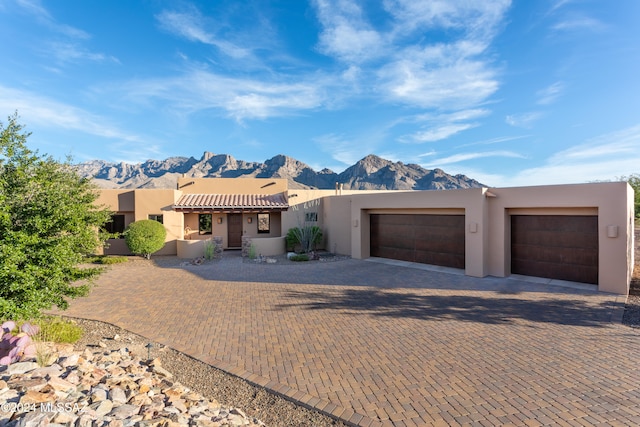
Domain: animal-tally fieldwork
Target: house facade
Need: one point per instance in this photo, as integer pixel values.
(578, 233)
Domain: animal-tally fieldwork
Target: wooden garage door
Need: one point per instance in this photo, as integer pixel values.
(427, 239)
(555, 246)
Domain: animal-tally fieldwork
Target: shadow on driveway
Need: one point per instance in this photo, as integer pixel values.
(497, 309)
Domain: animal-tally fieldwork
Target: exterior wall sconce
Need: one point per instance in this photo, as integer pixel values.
(612, 231)
(219, 220)
(249, 220)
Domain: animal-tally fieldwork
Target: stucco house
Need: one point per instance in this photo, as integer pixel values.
(578, 233)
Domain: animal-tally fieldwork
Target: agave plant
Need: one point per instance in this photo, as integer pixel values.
(14, 348)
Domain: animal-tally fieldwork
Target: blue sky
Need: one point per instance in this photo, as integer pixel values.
(506, 92)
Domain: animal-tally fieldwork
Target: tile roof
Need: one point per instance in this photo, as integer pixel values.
(232, 202)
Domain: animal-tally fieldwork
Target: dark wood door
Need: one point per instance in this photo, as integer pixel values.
(555, 246)
(427, 239)
(234, 230)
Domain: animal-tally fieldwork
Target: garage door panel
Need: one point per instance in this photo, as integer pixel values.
(424, 232)
(577, 256)
(394, 253)
(559, 222)
(430, 239)
(390, 241)
(555, 246)
(570, 239)
(439, 245)
(440, 258)
(446, 221)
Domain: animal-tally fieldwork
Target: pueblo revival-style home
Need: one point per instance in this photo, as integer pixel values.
(577, 233)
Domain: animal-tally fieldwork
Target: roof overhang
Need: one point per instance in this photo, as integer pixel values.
(231, 203)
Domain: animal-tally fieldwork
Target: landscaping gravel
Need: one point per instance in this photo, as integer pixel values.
(210, 382)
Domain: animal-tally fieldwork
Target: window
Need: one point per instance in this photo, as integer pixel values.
(263, 223)
(311, 216)
(204, 223)
(115, 225)
(156, 218)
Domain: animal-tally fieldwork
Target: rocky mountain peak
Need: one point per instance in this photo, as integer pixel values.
(369, 173)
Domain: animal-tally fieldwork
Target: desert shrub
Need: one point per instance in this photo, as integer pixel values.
(106, 260)
(299, 257)
(252, 252)
(145, 237)
(210, 249)
(57, 329)
(113, 260)
(307, 237)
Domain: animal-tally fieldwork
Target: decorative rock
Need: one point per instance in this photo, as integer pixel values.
(22, 385)
(163, 372)
(59, 384)
(117, 395)
(21, 368)
(102, 408)
(52, 371)
(35, 419)
(34, 397)
(124, 411)
(65, 418)
(98, 395)
(109, 388)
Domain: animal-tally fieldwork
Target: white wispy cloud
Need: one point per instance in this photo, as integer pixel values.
(241, 99)
(404, 65)
(192, 26)
(550, 94)
(343, 149)
(346, 34)
(524, 120)
(72, 52)
(462, 157)
(475, 18)
(436, 127)
(603, 158)
(35, 9)
(497, 140)
(579, 23)
(43, 111)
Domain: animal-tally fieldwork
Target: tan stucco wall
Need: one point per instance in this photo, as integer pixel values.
(302, 202)
(232, 185)
(611, 201)
(344, 217)
(471, 202)
(137, 205)
(487, 222)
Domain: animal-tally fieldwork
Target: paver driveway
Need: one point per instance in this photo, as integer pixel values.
(377, 344)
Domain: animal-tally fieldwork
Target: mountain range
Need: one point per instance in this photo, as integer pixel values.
(370, 173)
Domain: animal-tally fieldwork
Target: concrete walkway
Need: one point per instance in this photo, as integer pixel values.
(384, 345)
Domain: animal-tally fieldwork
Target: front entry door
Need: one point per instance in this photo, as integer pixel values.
(234, 230)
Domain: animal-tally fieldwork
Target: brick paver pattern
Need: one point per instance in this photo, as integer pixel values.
(375, 344)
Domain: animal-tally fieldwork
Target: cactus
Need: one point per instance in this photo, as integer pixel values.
(14, 348)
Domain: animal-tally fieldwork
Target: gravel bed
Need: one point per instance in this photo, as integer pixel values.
(212, 383)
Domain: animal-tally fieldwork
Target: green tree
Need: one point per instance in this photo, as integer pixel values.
(634, 182)
(48, 222)
(145, 237)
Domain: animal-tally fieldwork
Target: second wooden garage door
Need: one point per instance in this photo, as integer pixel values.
(555, 246)
(427, 239)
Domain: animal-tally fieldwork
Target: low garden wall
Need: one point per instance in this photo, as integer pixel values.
(265, 246)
